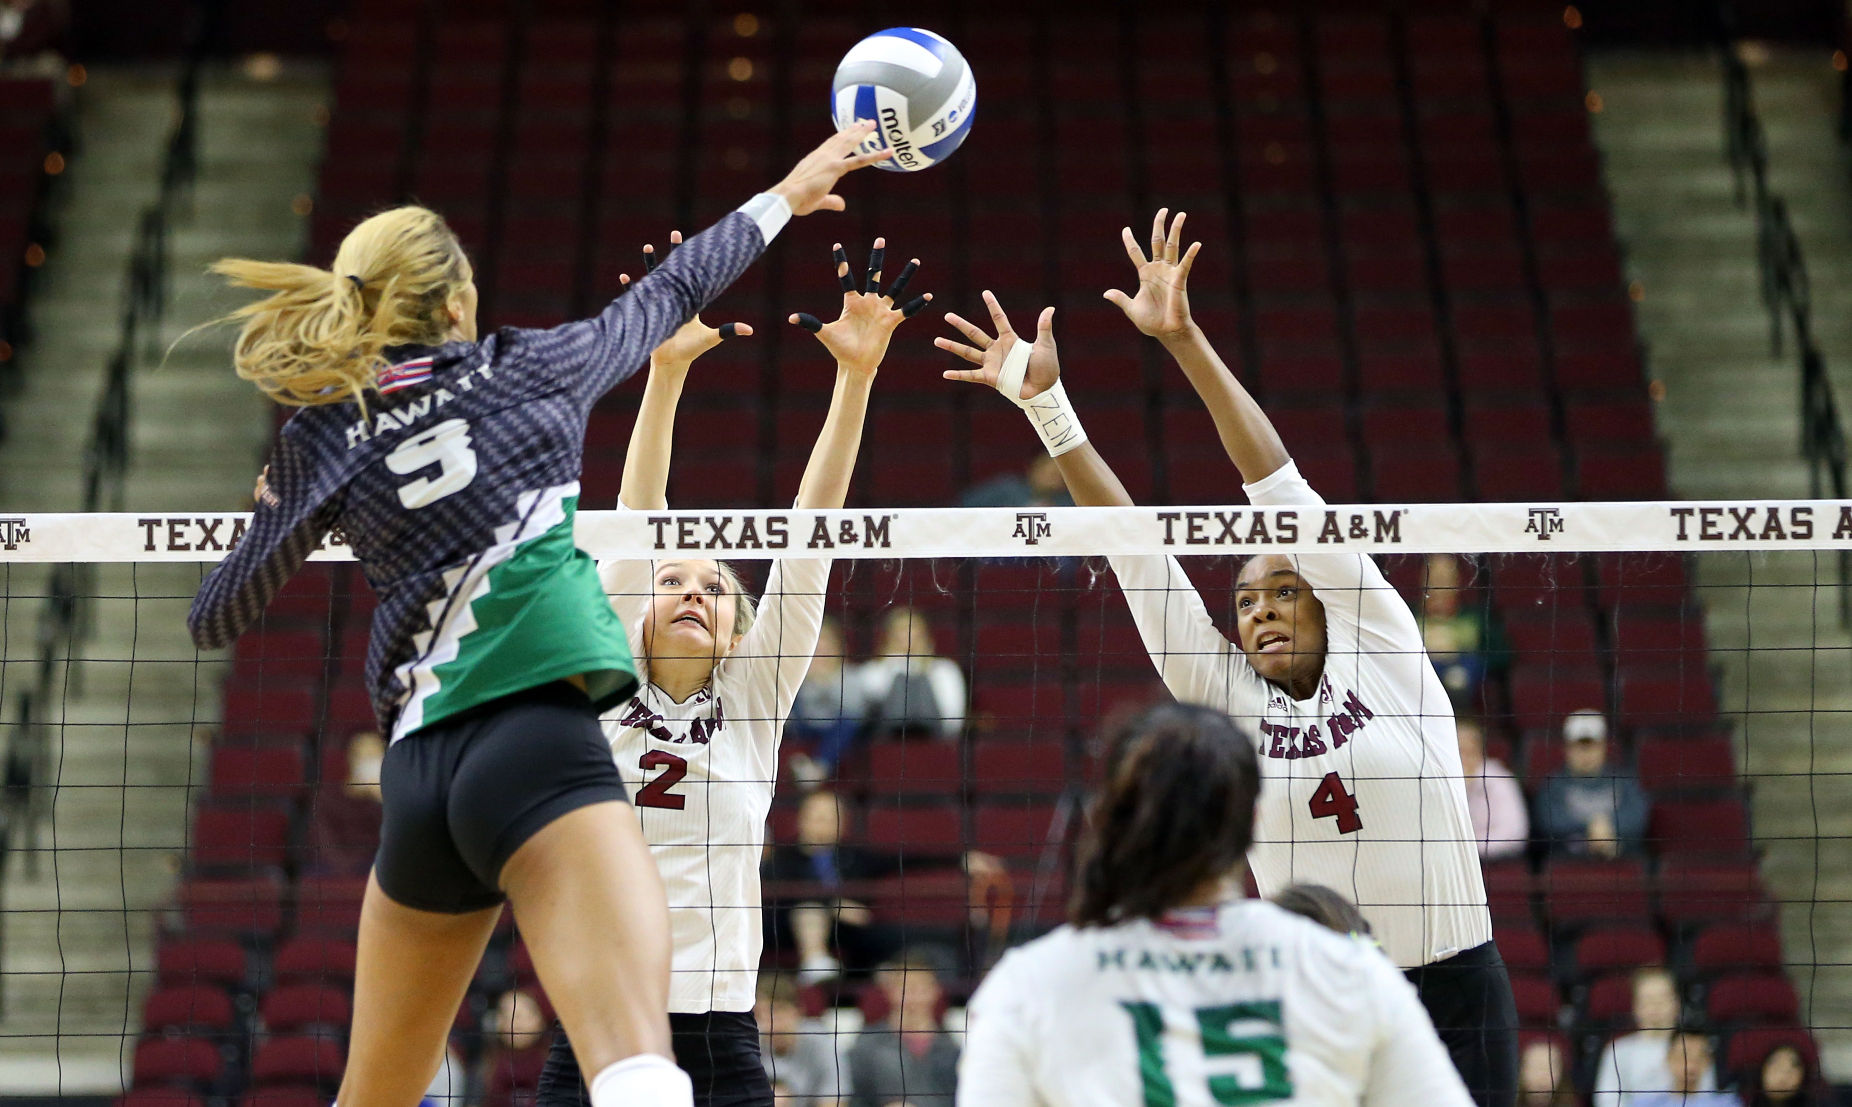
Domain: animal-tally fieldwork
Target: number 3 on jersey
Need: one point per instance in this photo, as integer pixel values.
(446, 446)
(1331, 801)
(1243, 1054)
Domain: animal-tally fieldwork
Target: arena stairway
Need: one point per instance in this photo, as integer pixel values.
(1728, 417)
(77, 954)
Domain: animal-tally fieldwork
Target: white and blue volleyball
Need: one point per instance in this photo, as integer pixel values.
(916, 87)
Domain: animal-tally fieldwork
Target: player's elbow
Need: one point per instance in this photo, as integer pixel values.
(208, 633)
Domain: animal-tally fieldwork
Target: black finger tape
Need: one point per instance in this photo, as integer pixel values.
(842, 270)
(728, 330)
(913, 307)
(899, 287)
(876, 258)
(809, 322)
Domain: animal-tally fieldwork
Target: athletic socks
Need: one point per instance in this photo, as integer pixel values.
(646, 1079)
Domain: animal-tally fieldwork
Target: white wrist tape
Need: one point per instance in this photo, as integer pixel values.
(1050, 413)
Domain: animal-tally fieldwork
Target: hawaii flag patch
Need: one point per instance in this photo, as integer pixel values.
(404, 375)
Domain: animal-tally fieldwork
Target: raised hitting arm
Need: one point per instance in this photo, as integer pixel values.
(1161, 309)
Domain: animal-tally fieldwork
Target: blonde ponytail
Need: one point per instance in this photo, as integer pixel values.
(320, 337)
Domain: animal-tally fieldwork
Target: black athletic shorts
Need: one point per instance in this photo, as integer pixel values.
(1469, 998)
(718, 1050)
(464, 793)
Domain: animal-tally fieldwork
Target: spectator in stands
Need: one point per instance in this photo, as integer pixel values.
(801, 1055)
(908, 1057)
(1590, 807)
(909, 687)
(1543, 1076)
(823, 864)
(1462, 644)
(830, 711)
(1783, 1079)
(345, 834)
(1038, 486)
(1500, 823)
(515, 1047)
(1688, 1056)
(1634, 1065)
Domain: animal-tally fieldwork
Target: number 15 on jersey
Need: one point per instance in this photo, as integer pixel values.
(1242, 1053)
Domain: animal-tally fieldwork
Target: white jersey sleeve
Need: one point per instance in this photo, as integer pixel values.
(769, 664)
(1197, 663)
(996, 1068)
(628, 584)
(1364, 614)
(1409, 1067)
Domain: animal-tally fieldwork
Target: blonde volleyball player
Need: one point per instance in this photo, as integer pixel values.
(697, 744)
(1167, 986)
(1354, 730)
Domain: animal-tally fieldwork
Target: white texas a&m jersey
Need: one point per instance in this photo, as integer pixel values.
(1241, 1003)
(1362, 788)
(701, 774)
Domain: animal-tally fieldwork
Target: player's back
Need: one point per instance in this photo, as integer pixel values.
(1241, 1003)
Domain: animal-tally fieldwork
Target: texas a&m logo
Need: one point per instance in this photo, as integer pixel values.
(1544, 521)
(1032, 527)
(13, 534)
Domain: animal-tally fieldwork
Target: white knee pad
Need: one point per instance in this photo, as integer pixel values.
(646, 1080)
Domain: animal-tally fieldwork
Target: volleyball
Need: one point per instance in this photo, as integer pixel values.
(917, 88)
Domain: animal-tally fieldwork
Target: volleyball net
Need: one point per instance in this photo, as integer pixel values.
(187, 834)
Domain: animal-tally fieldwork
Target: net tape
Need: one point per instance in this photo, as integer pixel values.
(889, 533)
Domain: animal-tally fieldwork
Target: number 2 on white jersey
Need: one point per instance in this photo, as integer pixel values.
(446, 446)
(1243, 1047)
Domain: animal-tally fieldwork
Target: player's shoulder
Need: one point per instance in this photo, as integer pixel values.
(1317, 952)
(1030, 971)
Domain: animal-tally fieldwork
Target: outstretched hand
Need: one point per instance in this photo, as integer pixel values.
(691, 339)
(1161, 308)
(987, 352)
(858, 338)
(810, 184)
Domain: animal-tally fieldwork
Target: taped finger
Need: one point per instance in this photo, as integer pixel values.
(915, 306)
(650, 260)
(728, 330)
(899, 287)
(877, 257)
(808, 321)
(842, 268)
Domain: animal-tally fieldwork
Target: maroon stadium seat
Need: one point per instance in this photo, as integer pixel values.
(267, 771)
(919, 767)
(315, 960)
(1609, 999)
(1015, 828)
(187, 1007)
(191, 1062)
(192, 960)
(1510, 891)
(1610, 949)
(329, 905)
(1537, 1001)
(285, 1095)
(1733, 947)
(1695, 889)
(248, 908)
(1749, 1047)
(239, 838)
(1004, 767)
(300, 1008)
(927, 828)
(1700, 764)
(1719, 827)
(297, 1059)
(1752, 998)
(1522, 948)
(158, 1096)
(1577, 892)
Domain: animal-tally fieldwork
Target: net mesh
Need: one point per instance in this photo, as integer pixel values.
(187, 835)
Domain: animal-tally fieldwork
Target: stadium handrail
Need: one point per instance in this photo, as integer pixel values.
(63, 623)
(1786, 290)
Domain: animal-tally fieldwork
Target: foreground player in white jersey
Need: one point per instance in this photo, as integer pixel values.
(1328, 671)
(698, 743)
(1168, 987)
